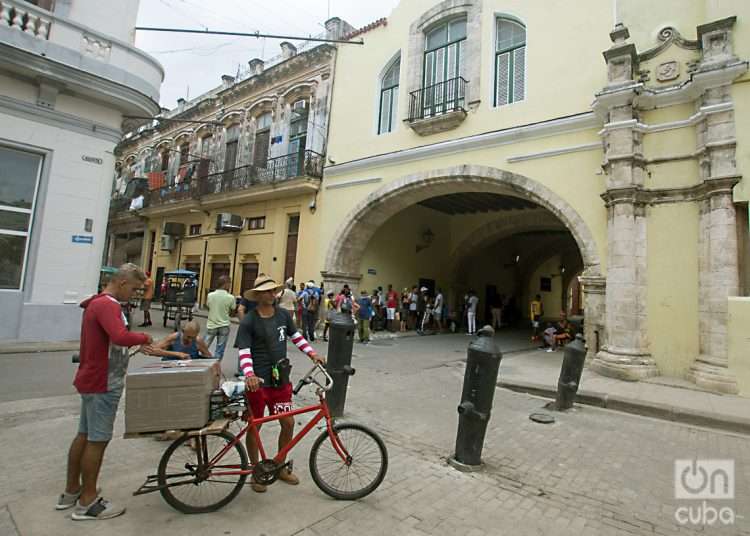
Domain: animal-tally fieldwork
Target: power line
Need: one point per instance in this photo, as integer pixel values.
(255, 34)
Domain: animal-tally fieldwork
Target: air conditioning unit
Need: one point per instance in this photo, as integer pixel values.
(228, 223)
(173, 229)
(167, 243)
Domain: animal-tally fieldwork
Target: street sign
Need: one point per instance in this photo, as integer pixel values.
(83, 239)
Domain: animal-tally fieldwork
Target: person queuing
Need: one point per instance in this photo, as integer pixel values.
(100, 380)
(262, 342)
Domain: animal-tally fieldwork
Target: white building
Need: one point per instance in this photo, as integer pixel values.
(69, 72)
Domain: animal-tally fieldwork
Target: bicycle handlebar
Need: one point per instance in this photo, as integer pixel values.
(309, 378)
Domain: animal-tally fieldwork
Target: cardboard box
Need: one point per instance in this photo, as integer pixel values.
(170, 395)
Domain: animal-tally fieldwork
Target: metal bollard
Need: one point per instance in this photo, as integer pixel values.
(570, 373)
(340, 346)
(480, 381)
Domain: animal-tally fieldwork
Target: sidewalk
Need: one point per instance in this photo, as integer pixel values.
(537, 372)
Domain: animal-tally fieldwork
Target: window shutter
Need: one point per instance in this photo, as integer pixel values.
(519, 74)
(503, 77)
(385, 111)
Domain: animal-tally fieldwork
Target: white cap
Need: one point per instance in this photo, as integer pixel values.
(424, 289)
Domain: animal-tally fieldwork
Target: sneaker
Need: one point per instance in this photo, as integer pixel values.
(550, 350)
(99, 509)
(287, 476)
(69, 500)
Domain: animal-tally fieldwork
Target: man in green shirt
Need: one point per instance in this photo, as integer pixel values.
(221, 305)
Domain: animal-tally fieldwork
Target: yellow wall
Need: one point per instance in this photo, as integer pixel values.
(739, 343)
(267, 246)
(672, 277)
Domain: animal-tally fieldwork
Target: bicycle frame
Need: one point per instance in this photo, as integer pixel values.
(252, 427)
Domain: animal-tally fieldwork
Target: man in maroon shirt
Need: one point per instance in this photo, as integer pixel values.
(100, 379)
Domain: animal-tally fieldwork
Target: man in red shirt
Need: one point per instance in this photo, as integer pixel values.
(100, 379)
(391, 303)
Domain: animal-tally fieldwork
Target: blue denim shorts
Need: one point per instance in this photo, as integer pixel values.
(98, 412)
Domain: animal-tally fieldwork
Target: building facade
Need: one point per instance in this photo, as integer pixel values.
(591, 155)
(228, 183)
(69, 73)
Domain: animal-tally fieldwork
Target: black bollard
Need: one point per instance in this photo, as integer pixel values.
(570, 373)
(480, 381)
(340, 346)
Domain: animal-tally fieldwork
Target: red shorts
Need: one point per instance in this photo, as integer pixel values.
(276, 399)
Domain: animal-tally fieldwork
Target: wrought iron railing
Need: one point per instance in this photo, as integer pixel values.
(304, 164)
(172, 193)
(438, 99)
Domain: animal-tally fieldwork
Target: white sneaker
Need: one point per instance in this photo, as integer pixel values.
(99, 509)
(69, 500)
(549, 350)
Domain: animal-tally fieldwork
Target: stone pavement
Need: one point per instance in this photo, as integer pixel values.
(593, 472)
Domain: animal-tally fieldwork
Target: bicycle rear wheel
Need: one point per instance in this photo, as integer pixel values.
(360, 473)
(193, 487)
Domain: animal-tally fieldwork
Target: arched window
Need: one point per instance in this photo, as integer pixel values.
(510, 62)
(389, 98)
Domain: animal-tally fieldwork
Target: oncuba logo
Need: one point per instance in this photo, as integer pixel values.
(704, 480)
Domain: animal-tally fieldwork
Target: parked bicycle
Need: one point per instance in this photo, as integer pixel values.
(347, 461)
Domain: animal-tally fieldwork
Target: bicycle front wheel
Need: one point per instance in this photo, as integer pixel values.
(191, 483)
(359, 472)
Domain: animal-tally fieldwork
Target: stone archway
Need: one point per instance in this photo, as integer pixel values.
(342, 262)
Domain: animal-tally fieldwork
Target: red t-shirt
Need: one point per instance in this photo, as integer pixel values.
(104, 343)
(392, 300)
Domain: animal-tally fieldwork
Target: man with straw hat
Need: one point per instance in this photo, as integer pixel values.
(261, 339)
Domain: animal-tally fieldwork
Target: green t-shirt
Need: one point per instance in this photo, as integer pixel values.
(220, 304)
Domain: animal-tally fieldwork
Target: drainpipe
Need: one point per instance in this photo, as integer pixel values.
(203, 272)
(234, 263)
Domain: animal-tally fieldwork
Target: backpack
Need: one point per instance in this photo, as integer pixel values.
(310, 301)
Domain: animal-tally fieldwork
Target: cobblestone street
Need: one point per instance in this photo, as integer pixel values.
(593, 472)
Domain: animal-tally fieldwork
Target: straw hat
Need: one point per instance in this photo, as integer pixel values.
(262, 283)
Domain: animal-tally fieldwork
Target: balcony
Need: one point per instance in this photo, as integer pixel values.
(282, 168)
(284, 176)
(438, 107)
(57, 49)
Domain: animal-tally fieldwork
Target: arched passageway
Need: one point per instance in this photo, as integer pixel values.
(429, 227)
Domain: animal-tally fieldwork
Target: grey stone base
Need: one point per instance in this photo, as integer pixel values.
(464, 468)
(712, 377)
(623, 366)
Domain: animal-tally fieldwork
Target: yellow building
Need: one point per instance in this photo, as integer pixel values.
(227, 183)
(525, 148)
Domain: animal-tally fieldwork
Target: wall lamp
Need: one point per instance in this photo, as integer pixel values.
(427, 238)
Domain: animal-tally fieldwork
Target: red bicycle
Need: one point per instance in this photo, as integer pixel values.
(347, 461)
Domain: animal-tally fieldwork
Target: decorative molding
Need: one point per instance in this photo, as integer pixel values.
(555, 152)
(552, 127)
(661, 196)
(667, 36)
(691, 121)
(356, 182)
(649, 98)
(28, 110)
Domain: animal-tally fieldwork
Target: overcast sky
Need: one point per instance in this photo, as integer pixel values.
(195, 63)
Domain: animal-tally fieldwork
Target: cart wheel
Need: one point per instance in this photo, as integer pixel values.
(190, 486)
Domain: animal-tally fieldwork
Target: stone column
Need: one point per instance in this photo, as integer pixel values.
(719, 256)
(594, 306)
(625, 353)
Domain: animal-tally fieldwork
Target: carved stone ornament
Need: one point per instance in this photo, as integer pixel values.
(667, 71)
(667, 36)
